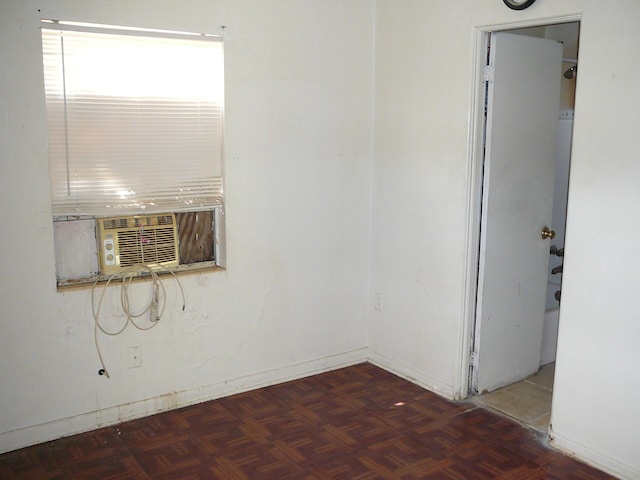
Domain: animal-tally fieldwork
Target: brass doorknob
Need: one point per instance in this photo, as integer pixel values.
(546, 233)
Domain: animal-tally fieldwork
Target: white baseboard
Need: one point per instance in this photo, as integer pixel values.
(24, 437)
(593, 458)
(429, 383)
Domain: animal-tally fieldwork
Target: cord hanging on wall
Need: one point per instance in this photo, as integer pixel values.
(155, 307)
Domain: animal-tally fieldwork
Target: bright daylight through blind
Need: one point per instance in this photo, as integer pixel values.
(135, 122)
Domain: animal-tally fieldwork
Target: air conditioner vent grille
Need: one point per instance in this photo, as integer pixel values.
(128, 241)
(134, 222)
(146, 246)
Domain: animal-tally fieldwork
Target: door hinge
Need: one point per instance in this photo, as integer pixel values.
(488, 73)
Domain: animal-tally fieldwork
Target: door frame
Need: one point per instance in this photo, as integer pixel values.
(475, 167)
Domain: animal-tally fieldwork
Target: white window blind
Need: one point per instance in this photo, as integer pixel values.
(134, 120)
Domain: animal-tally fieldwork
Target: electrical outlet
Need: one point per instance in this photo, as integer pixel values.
(135, 360)
(377, 301)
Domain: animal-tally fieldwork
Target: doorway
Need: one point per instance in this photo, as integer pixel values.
(522, 387)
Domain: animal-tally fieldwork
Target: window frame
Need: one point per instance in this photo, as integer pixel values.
(216, 207)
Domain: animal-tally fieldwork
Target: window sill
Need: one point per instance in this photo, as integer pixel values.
(181, 270)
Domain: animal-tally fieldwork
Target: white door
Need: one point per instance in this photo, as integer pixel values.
(521, 134)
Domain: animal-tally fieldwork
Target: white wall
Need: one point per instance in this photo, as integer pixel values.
(598, 351)
(293, 299)
(423, 179)
(423, 70)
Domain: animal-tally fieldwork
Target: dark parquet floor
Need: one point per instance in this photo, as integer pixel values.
(359, 422)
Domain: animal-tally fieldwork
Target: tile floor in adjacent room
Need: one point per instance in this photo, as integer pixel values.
(528, 401)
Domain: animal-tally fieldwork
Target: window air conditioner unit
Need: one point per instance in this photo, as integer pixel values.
(127, 241)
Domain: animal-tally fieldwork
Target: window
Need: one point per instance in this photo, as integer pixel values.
(135, 129)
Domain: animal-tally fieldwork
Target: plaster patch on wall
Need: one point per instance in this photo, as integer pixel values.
(265, 296)
(203, 280)
(259, 316)
(69, 332)
(189, 315)
(201, 334)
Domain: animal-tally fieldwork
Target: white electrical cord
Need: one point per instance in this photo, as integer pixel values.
(157, 291)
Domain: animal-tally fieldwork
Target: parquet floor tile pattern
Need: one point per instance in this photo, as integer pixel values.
(359, 422)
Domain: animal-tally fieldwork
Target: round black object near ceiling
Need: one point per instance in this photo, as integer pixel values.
(518, 4)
